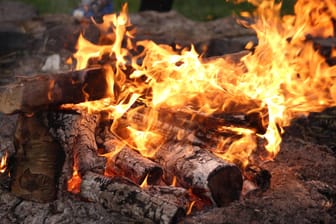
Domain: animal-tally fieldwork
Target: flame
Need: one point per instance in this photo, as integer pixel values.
(284, 74)
(174, 182)
(190, 208)
(144, 183)
(74, 182)
(3, 163)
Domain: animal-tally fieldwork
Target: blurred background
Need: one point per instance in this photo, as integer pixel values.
(201, 10)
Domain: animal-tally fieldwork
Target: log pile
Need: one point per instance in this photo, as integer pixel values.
(112, 171)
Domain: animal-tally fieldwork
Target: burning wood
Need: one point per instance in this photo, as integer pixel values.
(131, 164)
(129, 199)
(76, 134)
(45, 91)
(195, 168)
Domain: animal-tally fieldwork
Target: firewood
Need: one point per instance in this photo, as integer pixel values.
(196, 168)
(43, 91)
(76, 134)
(172, 122)
(176, 195)
(128, 199)
(37, 162)
(129, 163)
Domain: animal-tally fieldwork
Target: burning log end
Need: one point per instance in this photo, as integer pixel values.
(225, 184)
(42, 91)
(207, 175)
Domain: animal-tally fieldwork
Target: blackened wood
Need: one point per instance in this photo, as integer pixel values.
(128, 199)
(259, 176)
(43, 91)
(76, 134)
(129, 163)
(176, 195)
(207, 175)
(37, 161)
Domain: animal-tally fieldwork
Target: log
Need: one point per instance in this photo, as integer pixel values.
(44, 91)
(207, 175)
(76, 134)
(37, 162)
(169, 122)
(176, 195)
(129, 163)
(126, 198)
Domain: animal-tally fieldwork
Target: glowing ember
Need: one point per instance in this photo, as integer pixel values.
(3, 163)
(75, 182)
(285, 73)
(144, 183)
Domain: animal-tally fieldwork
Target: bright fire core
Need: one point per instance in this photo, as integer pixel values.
(285, 74)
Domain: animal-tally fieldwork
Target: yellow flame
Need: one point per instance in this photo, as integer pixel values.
(3, 163)
(284, 74)
(144, 183)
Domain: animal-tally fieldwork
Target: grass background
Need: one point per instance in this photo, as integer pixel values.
(194, 9)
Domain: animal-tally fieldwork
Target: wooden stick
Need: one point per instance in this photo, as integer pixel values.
(43, 91)
(128, 199)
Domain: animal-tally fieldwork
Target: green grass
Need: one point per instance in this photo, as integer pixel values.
(193, 9)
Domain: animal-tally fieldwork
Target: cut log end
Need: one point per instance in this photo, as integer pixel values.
(228, 178)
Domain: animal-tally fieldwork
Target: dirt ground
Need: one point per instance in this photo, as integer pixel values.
(303, 183)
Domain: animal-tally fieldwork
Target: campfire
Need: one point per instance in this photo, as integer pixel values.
(158, 132)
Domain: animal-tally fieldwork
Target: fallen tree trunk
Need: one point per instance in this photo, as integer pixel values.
(43, 91)
(128, 199)
(207, 175)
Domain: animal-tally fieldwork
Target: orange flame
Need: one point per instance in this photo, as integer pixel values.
(74, 182)
(284, 73)
(144, 183)
(3, 163)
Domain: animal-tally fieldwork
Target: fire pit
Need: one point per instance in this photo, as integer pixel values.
(150, 133)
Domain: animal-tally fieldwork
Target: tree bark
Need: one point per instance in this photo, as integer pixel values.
(129, 163)
(207, 175)
(128, 199)
(44, 91)
(76, 134)
(37, 161)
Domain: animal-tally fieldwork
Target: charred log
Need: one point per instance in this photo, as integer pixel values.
(129, 163)
(259, 176)
(45, 91)
(76, 134)
(128, 199)
(176, 195)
